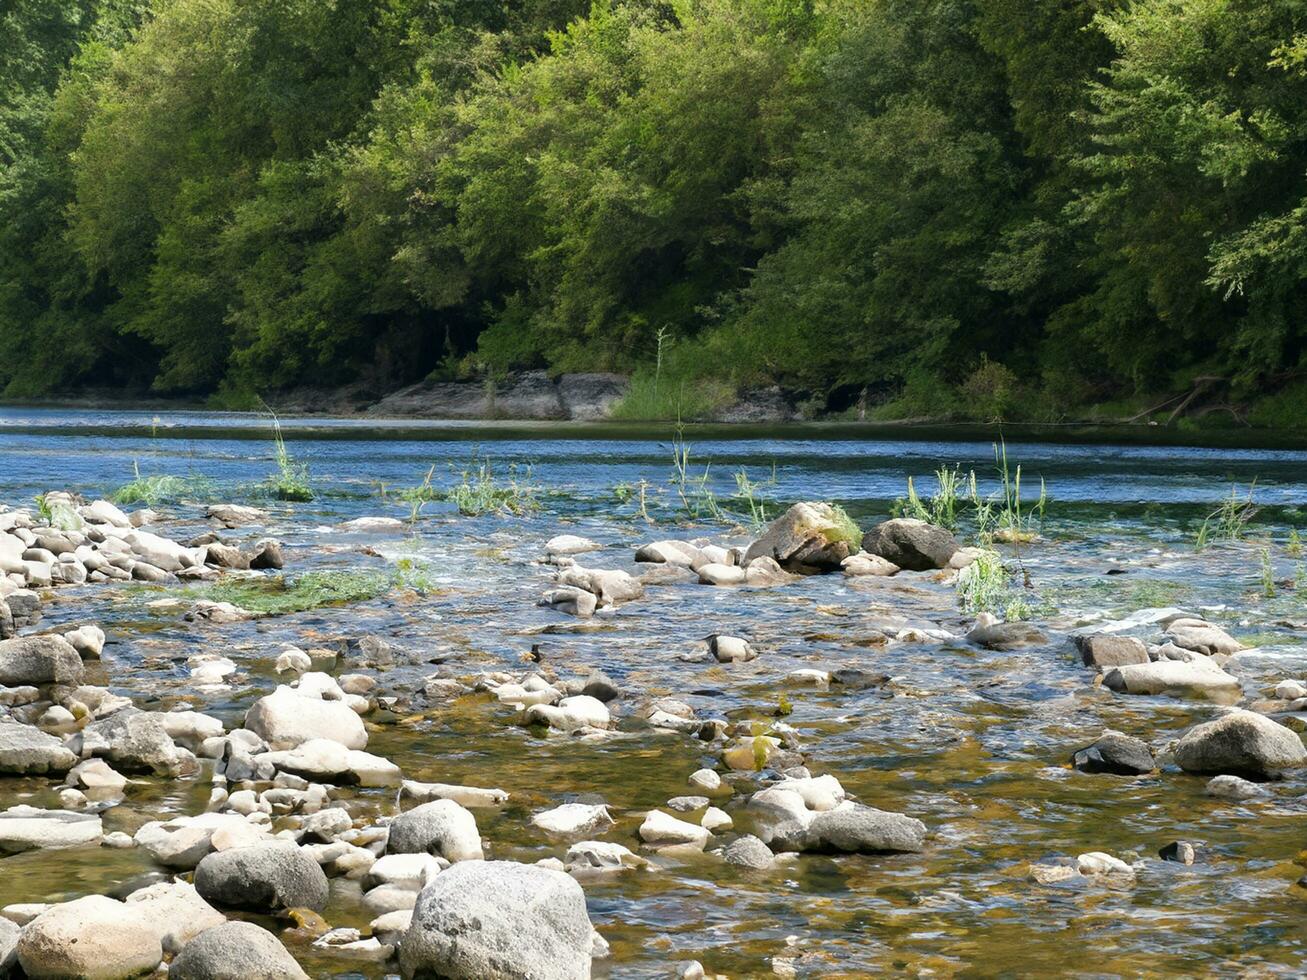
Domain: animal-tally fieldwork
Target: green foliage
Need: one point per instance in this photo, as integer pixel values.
(942, 508)
(279, 596)
(986, 586)
(1229, 521)
(984, 211)
(479, 491)
(291, 479)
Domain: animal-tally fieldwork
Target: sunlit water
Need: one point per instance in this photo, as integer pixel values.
(974, 743)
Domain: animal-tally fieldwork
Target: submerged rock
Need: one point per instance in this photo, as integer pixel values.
(994, 635)
(1235, 788)
(911, 544)
(1117, 754)
(498, 920)
(1241, 743)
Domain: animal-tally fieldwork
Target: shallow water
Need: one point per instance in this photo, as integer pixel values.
(974, 743)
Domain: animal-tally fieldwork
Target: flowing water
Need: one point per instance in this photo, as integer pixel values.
(974, 743)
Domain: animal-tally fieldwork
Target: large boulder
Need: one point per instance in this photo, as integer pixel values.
(175, 911)
(911, 544)
(498, 920)
(286, 718)
(26, 749)
(1202, 637)
(235, 951)
(265, 877)
(39, 660)
(27, 828)
(91, 937)
(442, 827)
(1241, 743)
(809, 537)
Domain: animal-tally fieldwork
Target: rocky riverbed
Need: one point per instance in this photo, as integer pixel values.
(582, 743)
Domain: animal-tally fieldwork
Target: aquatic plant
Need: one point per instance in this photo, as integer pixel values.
(1294, 546)
(57, 513)
(942, 509)
(419, 496)
(986, 586)
(1013, 525)
(1229, 521)
(291, 479)
(479, 491)
(279, 596)
(1268, 573)
(747, 492)
(696, 496)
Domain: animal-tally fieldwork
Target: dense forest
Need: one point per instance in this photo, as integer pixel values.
(978, 207)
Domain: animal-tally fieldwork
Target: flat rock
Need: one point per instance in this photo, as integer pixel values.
(28, 828)
(25, 749)
(1170, 676)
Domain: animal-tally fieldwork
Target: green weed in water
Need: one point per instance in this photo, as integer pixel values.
(481, 492)
(291, 480)
(942, 509)
(1268, 573)
(1294, 546)
(1229, 522)
(279, 596)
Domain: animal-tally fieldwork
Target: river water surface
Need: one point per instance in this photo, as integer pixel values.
(974, 743)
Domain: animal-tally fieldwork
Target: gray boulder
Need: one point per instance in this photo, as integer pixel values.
(1241, 743)
(911, 544)
(26, 749)
(442, 827)
(852, 828)
(9, 933)
(809, 537)
(235, 951)
(1005, 636)
(267, 554)
(265, 877)
(91, 937)
(1116, 754)
(1103, 650)
(39, 660)
(499, 920)
(748, 852)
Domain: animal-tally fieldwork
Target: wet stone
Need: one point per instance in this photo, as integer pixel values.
(1117, 754)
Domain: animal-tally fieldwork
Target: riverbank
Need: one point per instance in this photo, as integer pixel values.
(599, 406)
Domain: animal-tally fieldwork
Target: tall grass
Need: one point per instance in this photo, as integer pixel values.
(291, 479)
(1002, 516)
(986, 586)
(479, 491)
(1229, 521)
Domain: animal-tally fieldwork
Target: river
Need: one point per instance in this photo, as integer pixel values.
(974, 743)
